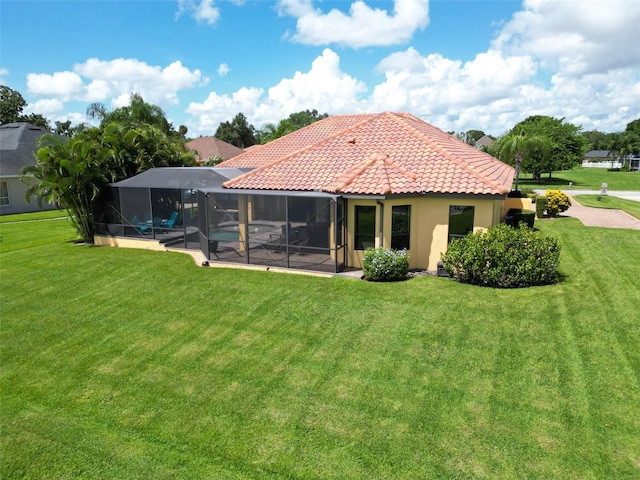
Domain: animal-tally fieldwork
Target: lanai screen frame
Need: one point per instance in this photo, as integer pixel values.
(274, 228)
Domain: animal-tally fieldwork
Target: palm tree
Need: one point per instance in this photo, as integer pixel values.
(70, 174)
(516, 148)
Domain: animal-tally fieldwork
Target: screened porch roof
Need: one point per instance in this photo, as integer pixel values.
(198, 178)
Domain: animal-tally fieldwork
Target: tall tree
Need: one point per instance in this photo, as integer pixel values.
(74, 173)
(70, 173)
(238, 132)
(567, 144)
(531, 152)
(12, 103)
(294, 122)
(137, 113)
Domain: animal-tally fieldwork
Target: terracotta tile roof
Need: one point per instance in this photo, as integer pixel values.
(207, 147)
(381, 154)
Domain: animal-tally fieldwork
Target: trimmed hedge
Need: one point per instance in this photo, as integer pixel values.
(503, 257)
(385, 265)
(541, 206)
(515, 216)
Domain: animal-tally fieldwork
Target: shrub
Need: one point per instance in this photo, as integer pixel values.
(503, 257)
(515, 216)
(541, 205)
(385, 265)
(557, 202)
(516, 194)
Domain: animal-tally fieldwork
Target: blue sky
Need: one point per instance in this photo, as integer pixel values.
(459, 65)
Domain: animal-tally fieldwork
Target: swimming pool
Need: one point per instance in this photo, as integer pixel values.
(261, 232)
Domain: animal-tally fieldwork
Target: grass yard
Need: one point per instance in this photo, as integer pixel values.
(630, 206)
(27, 230)
(122, 363)
(584, 179)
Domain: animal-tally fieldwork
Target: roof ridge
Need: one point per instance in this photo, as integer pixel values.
(452, 157)
(355, 171)
(383, 161)
(304, 149)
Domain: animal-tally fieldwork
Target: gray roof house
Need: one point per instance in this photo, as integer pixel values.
(18, 143)
(598, 155)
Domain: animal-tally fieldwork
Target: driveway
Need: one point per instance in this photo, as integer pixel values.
(602, 217)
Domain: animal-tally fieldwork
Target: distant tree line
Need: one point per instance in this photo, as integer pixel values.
(240, 133)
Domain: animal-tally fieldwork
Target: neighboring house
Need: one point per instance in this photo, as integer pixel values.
(484, 142)
(600, 159)
(317, 198)
(598, 156)
(18, 143)
(208, 147)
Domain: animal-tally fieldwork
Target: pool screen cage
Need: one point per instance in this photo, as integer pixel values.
(293, 230)
(301, 230)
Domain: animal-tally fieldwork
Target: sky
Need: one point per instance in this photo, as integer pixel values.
(458, 65)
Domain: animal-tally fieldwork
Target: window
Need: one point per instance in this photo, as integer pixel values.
(4, 193)
(460, 221)
(400, 227)
(365, 227)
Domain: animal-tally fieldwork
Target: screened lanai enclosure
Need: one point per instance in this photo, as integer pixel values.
(188, 208)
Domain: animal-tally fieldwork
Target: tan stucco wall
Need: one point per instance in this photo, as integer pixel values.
(429, 226)
(128, 243)
(523, 203)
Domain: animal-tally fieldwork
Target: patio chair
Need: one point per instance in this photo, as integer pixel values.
(171, 221)
(138, 225)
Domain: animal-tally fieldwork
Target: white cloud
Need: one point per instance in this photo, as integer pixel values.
(3, 71)
(324, 87)
(433, 85)
(578, 37)
(223, 69)
(66, 85)
(203, 11)
(363, 26)
(97, 80)
(48, 107)
(219, 108)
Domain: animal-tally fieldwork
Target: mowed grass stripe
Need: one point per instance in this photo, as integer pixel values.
(120, 363)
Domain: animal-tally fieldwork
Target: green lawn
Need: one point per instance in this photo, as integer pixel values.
(121, 363)
(28, 230)
(584, 179)
(630, 206)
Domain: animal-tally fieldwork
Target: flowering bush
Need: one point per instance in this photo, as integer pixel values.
(557, 202)
(385, 265)
(503, 257)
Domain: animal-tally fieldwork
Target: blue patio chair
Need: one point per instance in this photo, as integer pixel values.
(135, 222)
(172, 220)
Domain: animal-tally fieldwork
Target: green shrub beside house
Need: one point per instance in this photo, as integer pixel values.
(503, 257)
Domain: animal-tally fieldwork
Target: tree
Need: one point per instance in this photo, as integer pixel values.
(11, 105)
(567, 144)
(70, 173)
(238, 132)
(294, 122)
(633, 127)
(596, 140)
(137, 113)
(475, 135)
(74, 173)
(531, 152)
